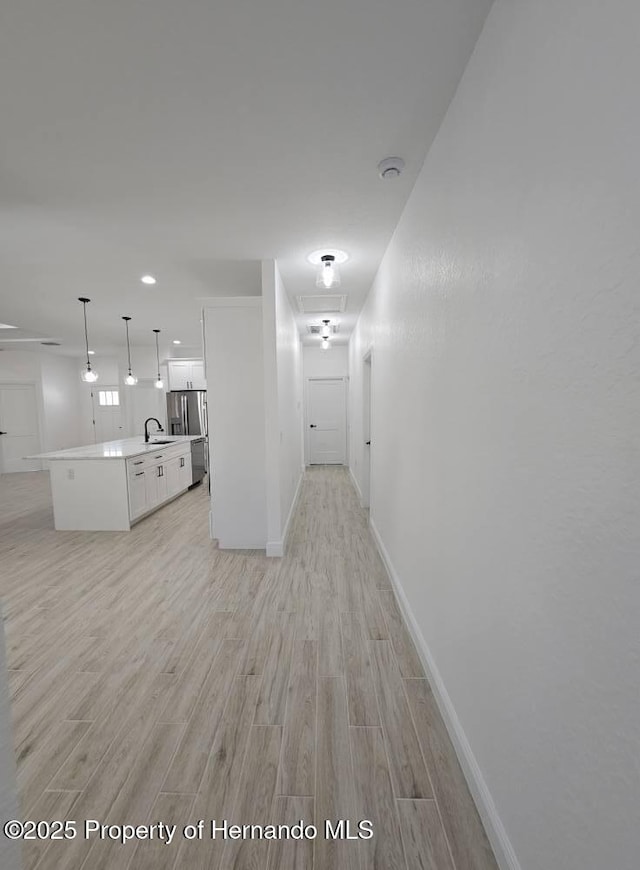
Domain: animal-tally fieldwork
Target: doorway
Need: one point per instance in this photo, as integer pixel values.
(365, 488)
(19, 428)
(326, 421)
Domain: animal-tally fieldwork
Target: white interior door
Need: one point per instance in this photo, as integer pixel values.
(327, 421)
(19, 427)
(107, 411)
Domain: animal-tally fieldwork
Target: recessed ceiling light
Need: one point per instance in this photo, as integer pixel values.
(91, 352)
(148, 279)
(339, 256)
(177, 341)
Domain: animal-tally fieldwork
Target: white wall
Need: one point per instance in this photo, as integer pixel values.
(236, 407)
(143, 400)
(58, 389)
(9, 849)
(505, 462)
(61, 396)
(283, 405)
(332, 363)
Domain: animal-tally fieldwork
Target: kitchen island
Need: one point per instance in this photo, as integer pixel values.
(110, 486)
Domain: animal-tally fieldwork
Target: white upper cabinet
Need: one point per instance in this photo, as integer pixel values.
(197, 375)
(186, 374)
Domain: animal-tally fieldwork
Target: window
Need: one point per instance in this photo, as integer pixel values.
(108, 397)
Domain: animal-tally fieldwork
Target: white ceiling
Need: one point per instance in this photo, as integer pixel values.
(191, 139)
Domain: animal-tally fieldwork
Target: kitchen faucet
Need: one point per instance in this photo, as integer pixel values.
(146, 427)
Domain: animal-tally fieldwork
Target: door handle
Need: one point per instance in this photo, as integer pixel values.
(312, 426)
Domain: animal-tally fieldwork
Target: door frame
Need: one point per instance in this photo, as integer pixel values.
(37, 390)
(307, 446)
(367, 416)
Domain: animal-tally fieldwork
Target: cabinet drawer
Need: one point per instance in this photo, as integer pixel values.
(147, 460)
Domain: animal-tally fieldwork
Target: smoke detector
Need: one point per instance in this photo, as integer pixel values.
(390, 167)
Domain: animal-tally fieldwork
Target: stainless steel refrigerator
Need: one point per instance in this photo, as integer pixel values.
(187, 415)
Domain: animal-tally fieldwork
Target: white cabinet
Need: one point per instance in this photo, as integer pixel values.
(186, 476)
(186, 374)
(137, 494)
(173, 476)
(178, 474)
(150, 488)
(198, 381)
(157, 478)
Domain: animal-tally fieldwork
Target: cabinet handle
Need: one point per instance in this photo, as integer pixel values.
(182, 463)
(160, 471)
(140, 461)
(159, 457)
(139, 473)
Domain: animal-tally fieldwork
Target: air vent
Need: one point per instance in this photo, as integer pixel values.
(50, 343)
(316, 328)
(326, 303)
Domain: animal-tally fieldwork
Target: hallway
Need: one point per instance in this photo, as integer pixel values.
(156, 678)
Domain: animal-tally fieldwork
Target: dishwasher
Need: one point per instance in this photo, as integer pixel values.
(198, 460)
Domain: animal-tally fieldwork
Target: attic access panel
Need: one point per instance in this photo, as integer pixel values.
(326, 303)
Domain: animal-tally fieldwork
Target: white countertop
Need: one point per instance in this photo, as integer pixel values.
(124, 448)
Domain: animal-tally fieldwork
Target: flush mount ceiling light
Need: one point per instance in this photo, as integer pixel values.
(177, 341)
(390, 167)
(130, 380)
(88, 375)
(327, 262)
(148, 279)
(158, 384)
(328, 275)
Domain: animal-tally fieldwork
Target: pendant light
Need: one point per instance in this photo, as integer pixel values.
(158, 384)
(325, 344)
(130, 380)
(328, 275)
(88, 375)
(326, 331)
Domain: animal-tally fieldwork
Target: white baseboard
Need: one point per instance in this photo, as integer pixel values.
(277, 548)
(503, 850)
(356, 486)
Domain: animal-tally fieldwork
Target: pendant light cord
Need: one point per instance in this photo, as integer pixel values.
(86, 334)
(157, 352)
(126, 323)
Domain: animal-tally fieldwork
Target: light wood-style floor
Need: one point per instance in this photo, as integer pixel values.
(155, 677)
